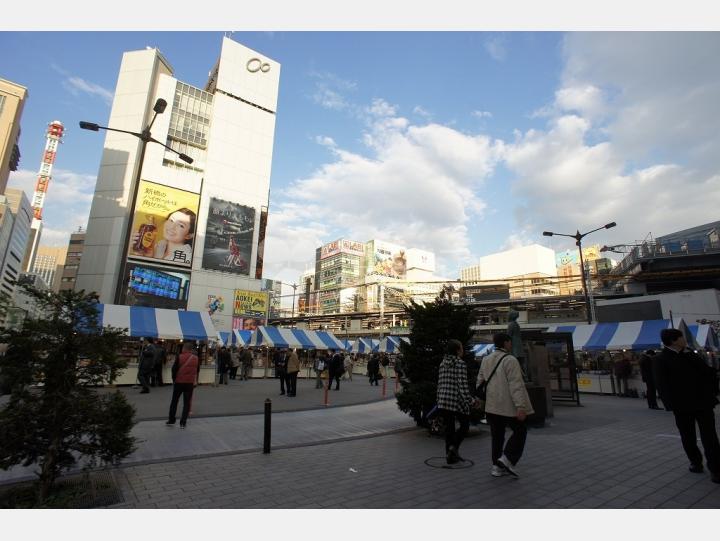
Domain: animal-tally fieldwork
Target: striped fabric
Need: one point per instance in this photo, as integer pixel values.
(148, 322)
(278, 337)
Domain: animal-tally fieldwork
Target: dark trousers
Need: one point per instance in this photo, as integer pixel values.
(513, 450)
(144, 379)
(651, 394)
(233, 372)
(292, 383)
(282, 376)
(374, 376)
(455, 436)
(156, 376)
(186, 390)
(337, 381)
(705, 419)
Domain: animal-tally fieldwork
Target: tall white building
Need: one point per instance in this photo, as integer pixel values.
(14, 232)
(197, 230)
(529, 270)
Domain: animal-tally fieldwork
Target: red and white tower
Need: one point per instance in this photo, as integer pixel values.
(53, 138)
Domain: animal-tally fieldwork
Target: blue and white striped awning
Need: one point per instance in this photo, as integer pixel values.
(636, 335)
(705, 336)
(142, 321)
(389, 344)
(241, 337)
(347, 344)
(279, 337)
(364, 345)
(483, 349)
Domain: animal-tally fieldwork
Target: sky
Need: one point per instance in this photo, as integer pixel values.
(461, 143)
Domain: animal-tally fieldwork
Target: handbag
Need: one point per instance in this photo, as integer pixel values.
(481, 391)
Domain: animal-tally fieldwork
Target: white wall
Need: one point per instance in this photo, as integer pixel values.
(517, 262)
(688, 305)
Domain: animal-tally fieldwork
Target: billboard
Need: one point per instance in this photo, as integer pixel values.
(163, 224)
(571, 257)
(420, 259)
(228, 237)
(344, 246)
(156, 287)
(387, 259)
(261, 243)
(250, 303)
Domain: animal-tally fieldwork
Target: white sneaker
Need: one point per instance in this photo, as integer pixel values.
(497, 471)
(505, 462)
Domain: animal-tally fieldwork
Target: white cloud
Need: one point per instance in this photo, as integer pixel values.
(415, 185)
(495, 47)
(67, 203)
(330, 89)
(77, 85)
(481, 114)
(420, 111)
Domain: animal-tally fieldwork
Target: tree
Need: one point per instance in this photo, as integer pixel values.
(433, 325)
(54, 417)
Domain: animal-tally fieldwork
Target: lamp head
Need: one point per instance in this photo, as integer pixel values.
(611, 224)
(89, 126)
(548, 233)
(160, 105)
(184, 157)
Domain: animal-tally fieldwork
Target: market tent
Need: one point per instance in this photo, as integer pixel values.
(706, 336)
(389, 344)
(483, 349)
(636, 335)
(143, 321)
(364, 345)
(225, 338)
(279, 337)
(241, 337)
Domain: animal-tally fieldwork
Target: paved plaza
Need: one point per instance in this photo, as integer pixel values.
(364, 453)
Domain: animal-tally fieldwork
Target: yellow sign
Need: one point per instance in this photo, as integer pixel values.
(584, 382)
(163, 225)
(250, 303)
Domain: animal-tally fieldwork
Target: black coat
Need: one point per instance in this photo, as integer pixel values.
(337, 365)
(646, 368)
(684, 381)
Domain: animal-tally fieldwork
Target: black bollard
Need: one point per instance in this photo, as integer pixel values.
(266, 440)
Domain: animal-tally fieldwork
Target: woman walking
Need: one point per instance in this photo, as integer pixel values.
(184, 383)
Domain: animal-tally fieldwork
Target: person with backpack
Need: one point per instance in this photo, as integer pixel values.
(336, 370)
(146, 365)
(185, 377)
(507, 404)
(320, 364)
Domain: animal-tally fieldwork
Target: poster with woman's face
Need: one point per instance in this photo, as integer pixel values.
(164, 222)
(228, 237)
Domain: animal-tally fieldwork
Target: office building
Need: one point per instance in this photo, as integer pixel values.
(196, 230)
(75, 250)
(12, 101)
(14, 233)
(49, 263)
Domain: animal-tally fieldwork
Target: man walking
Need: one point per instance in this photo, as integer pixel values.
(507, 404)
(185, 381)
(224, 362)
(335, 370)
(319, 365)
(280, 361)
(246, 364)
(146, 365)
(454, 400)
(646, 372)
(689, 387)
(292, 370)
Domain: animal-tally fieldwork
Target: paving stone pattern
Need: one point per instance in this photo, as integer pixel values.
(610, 453)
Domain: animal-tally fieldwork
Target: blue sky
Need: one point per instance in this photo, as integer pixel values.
(463, 143)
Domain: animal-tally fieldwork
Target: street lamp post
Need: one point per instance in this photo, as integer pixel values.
(145, 137)
(578, 241)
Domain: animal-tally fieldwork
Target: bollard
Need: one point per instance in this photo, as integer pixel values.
(266, 439)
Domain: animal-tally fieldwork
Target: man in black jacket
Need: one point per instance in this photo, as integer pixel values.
(646, 372)
(688, 387)
(280, 362)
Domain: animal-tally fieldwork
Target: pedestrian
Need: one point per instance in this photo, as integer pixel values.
(293, 367)
(234, 362)
(246, 362)
(336, 370)
(156, 379)
(373, 369)
(689, 387)
(146, 365)
(224, 362)
(319, 366)
(507, 404)
(454, 400)
(185, 372)
(622, 369)
(646, 373)
(280, 360)
(348, 364)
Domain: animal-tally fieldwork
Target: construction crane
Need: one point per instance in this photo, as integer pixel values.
(53, 136)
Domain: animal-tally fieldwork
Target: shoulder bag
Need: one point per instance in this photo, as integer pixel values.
(481, 391)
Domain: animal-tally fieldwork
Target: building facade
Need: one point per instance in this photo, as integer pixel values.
(196, 231)
(15, 221)
(73, 258)
(49, 263)
(12, 102)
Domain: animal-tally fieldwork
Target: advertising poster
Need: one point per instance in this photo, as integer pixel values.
(215, 303)
(250, 303)
(387, 260)
(261, 243)
(163, 226)
(228, 237)
(156, 287)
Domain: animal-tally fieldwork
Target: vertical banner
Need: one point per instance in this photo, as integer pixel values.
(261, 243)
(228, 237)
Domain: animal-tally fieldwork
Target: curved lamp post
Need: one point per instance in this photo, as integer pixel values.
(578, 241)
(145, 137)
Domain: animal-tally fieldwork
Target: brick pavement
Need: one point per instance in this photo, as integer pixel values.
(611, 453)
